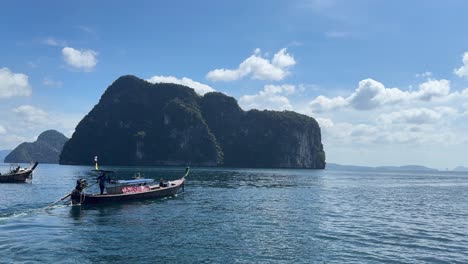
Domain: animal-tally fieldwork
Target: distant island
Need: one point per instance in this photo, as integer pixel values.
(46, 149)
(335, 166)
(460, 168)
(140, 123)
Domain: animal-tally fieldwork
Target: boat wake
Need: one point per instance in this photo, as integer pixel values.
(28, 212)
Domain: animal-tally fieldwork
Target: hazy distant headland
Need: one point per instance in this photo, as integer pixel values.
(46, 149)
(460, 168)
(389, 168)
(140, 123)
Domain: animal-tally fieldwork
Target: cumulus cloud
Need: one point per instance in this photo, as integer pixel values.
(257, 67)
(323, 103)
(432, 89)
(372, 94)
(13, 84)
(463, 70)
(32, 115)
(80, 59)
(408, 127)
(416, 116)
(272, 97)
(2, 130)
(199, 88)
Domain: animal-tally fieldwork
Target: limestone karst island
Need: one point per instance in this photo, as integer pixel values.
(139, 123)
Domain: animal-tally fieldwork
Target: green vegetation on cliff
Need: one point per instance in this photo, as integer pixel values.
(263, 138)
(139, 123)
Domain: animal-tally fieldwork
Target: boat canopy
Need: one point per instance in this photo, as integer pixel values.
(133, 182)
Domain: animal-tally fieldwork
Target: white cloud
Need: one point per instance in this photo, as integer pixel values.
(2, 130)
(272, 97)
(81, 59)
(424, 74)
(324, 122)
(278, 89)
(54, 42)
(283, 60)
(257, 67)
(433, 89)
(323, 103)
(416, 116)
(25, 122)
(51, 83)
(363, 130)
(409, 128)
(463, 70)
(199, 88)
(32, 115)
(372, 94)
(397, 125)
(13, 84)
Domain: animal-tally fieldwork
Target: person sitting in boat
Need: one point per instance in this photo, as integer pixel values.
(78, 187)
(162, 183)
(102, 181)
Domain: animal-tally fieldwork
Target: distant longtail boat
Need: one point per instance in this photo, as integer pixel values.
(18, 175)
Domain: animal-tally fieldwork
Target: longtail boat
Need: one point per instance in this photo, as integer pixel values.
(18, 174)
(130, 190)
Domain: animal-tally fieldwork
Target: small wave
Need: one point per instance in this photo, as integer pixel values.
(27, 212)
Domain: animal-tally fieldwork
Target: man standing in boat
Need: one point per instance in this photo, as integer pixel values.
(102, 181)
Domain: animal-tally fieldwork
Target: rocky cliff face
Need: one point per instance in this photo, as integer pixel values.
(46, 149)
(139, 123)
(263, 138)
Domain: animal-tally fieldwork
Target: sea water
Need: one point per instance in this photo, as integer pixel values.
(242, 216)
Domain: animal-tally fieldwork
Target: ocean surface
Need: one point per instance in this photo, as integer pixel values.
(242, 216)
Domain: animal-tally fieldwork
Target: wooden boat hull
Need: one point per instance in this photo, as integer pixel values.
(16, 177)
(154, 192)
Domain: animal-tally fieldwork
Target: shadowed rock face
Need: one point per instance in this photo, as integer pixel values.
(46, 149)
(263, 138)
(139, 123)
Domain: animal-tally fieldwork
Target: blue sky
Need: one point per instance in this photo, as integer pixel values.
(385, 79)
